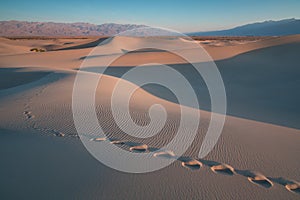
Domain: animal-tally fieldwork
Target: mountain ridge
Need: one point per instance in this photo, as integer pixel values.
(266, 28)
(24, 28)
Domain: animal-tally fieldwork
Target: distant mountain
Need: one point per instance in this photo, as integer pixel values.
(266, 28)
(24, 28)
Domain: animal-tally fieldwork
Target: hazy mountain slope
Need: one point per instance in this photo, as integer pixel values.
(266, 28)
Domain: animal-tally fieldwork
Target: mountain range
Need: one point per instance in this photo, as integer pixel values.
(266, 28)
(24, 28)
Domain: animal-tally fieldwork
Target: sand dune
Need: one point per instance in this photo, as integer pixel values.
(72, 57)
(222, 52)
(244, 145)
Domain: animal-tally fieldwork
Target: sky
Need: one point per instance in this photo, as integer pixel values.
(179, 15)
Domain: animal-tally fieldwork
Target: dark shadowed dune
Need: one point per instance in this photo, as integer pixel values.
(261, 85)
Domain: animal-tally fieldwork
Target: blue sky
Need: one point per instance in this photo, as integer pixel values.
(177, 14)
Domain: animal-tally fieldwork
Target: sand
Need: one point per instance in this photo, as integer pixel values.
(43, 158)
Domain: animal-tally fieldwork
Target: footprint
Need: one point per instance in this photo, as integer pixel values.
(223, 169)
(28, 115)
(119, 142)
(26, 112)
(260, 180)
(165, 154)
(191, 164)
(293, 187)
(59, 134)
(290, 185)
(139, 148)
(99, 139)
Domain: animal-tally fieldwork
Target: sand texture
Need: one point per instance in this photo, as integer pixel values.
(256, 157)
